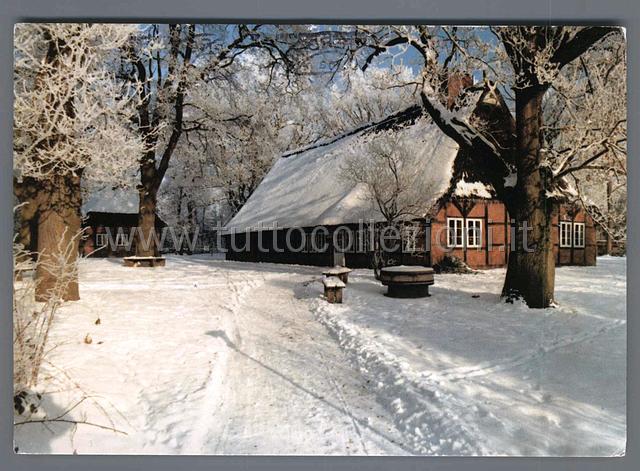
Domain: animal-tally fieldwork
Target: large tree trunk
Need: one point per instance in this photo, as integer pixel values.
(531, 268)
(59, 226)
(146, 245)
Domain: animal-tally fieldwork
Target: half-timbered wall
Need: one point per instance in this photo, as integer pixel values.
(493, 248)
(572, 251)
(486, 220)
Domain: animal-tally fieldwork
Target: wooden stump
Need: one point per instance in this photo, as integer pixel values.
(407, 281)
(406, 290)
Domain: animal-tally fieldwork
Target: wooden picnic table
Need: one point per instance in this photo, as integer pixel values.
(339, 272)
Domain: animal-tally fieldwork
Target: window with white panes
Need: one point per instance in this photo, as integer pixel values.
(455, 232)
(565, 234)
(364, 242)
(121, 239)
(344, 240)
(474, 233)
(578, 234)
(101, 240)
(320, 241)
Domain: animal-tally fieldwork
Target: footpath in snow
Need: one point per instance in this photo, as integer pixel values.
(205, 356)
(464, 373)
(202, 356)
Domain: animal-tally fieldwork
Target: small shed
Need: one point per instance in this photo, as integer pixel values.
(110, 217)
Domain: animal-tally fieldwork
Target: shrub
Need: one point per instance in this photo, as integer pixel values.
(32, 320)
(451, 264)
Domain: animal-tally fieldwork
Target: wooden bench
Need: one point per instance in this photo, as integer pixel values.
(340, 272)
(144, 261)
(407, 281)
(333, 289)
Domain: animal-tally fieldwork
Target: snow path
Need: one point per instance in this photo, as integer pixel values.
(206, 356)
(287, 387)
(214, 357)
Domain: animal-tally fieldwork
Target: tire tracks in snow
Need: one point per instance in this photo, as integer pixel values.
(267, 396)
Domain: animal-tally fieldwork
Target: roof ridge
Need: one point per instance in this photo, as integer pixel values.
(408, 114)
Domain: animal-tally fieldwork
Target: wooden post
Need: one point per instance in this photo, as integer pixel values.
(486, 233)
(573, 220)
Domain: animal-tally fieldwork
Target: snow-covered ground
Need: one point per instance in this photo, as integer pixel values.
(208, 356)
(464, 373)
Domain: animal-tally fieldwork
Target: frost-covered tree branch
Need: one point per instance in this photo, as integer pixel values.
(68, 109)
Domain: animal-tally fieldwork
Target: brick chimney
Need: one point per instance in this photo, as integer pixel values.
(456, 83)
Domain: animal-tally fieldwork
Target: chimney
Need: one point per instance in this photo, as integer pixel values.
(456, 83)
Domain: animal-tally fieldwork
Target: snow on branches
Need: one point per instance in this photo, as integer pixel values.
(70, 114)
(586, 132)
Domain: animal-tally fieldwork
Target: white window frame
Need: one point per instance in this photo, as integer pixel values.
(458, 225)
(101, 240)
(474, 225)
(579, 229)
(565, 237)
(122, 239)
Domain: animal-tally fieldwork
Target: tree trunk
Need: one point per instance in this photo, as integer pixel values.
(26, 216)
(531, 268)
(146, 245)
(59, 226)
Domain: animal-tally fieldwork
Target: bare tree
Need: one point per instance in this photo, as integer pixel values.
(390, 167)
(165, 65)
(69, 115)
(586, 133)
(535, 56)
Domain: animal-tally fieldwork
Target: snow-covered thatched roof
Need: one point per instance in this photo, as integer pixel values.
(111, 200)
(306, 188)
